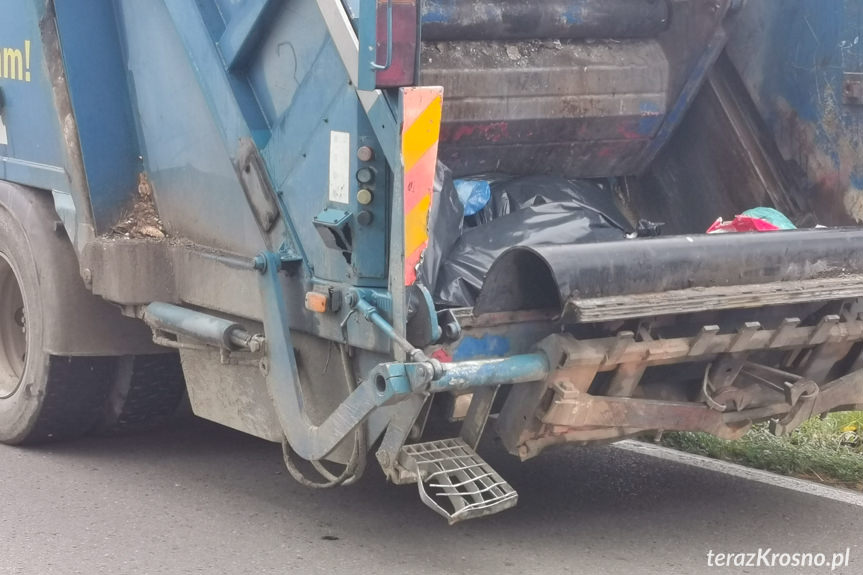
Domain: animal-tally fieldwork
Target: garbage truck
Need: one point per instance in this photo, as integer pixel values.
(368, 230)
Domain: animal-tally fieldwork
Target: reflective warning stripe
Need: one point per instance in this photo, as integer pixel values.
(420, 136)
(416, 223)
(421, 115)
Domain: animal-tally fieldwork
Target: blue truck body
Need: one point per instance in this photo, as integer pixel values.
(285, 152)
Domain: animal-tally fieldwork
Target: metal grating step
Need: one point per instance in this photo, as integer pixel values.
(450, 471)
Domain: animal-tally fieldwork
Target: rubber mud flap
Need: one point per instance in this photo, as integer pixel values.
(145, 392)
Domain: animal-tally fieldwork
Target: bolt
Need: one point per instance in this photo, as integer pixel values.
(365, 218)
(365, 154)
(256, 343)
(351, 299)
(365, 176)
(451, 330)
(287, 259)
(365, 197)
(260, 263)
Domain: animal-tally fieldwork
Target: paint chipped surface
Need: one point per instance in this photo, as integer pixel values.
(793, 57)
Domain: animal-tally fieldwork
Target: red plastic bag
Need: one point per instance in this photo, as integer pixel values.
(741, 224)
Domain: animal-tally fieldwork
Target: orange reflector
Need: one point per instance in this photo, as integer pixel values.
(317, 302)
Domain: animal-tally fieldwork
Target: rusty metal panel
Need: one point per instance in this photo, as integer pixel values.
(544, 100)
(586, 109)
(523, 19)
(721, 161)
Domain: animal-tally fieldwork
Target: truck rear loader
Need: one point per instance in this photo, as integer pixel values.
(241, 202)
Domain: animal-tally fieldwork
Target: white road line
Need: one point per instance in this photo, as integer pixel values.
(735, 470)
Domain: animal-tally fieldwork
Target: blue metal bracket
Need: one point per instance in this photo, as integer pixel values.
(389, 61)
(334, 227)
(104, 117)
(242, 32)
(380, 299)
(234, 107)
(368, 44)
(380, 112)
(387, 385)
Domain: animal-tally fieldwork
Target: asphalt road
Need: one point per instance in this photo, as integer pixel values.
(199, 498)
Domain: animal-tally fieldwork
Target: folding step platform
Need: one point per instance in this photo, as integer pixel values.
(456, 482)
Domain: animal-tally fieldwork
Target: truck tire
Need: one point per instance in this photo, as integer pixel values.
(42, 397)
(146, 391)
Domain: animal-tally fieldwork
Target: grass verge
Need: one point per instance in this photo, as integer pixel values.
(828, 450)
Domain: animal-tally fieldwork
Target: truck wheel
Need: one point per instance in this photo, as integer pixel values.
(42, 397)
(147, 390)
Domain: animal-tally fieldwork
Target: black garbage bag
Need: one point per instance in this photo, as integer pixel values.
(523, 211)
(509, 195)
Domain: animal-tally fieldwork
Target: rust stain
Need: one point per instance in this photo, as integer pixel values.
(494, 132)
(835, 200)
